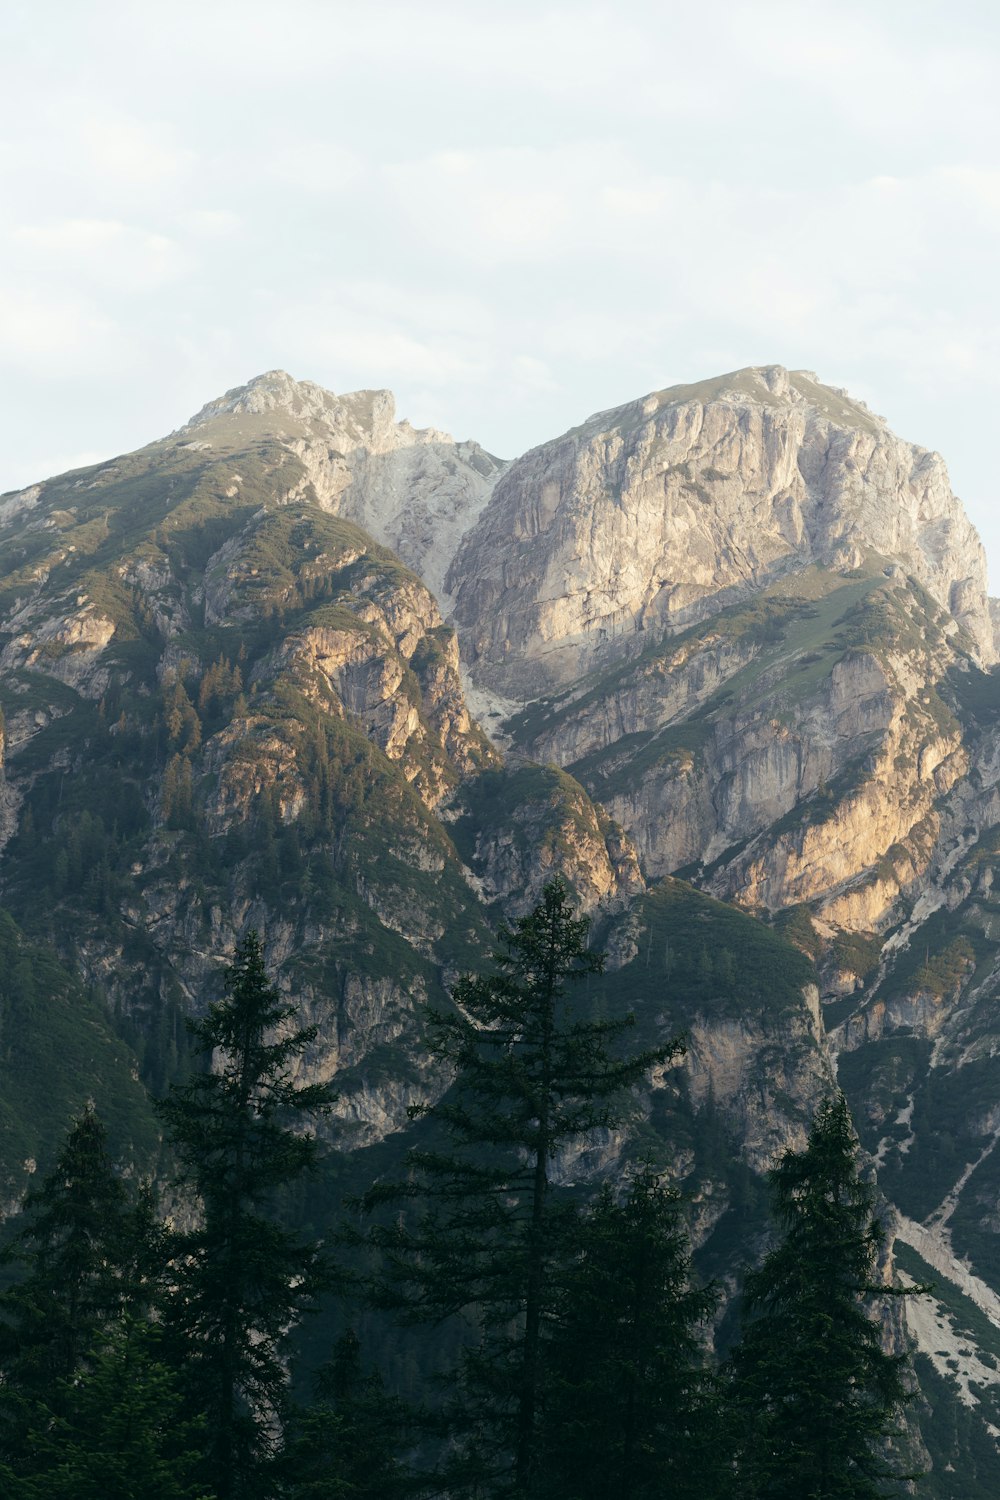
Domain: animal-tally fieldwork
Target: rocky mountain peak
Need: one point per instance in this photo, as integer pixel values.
(416, 490)
(365, 417)
(772, 385)
(653, 515)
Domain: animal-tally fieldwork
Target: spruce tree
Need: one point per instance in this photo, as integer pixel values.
(118, 1430)
(345, 1446)
(815, 1393)
(630, 1408)
(241, 1279)
(487, 1232)
(71, 1249)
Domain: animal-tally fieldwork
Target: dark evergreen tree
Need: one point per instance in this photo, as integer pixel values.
(71, 1250)
(630, 1408)
(86, 1410)
(533, 1075)
(119, 1431)
(346, 1445)
(241, 1279)
(815, 1393)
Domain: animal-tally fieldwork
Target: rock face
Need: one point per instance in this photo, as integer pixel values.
(793, 750)
(416, 490)
(661, 512)
(517, 828)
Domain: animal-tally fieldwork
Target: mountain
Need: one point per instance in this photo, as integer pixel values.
(661, 512)
(415, 490)
(732, 651)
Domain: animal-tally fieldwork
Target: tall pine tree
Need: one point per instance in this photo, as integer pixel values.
(815, 1393)
(70, 1250)
(241, 1279)
(630, 1408)
(115, 1431)
(346, 1445)
(488, 1233)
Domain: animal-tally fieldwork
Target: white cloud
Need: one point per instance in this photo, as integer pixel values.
(515, 215)
(59, 337)
(374, 333)
(209, 223)
(119, 255)
(531, 376)
(379, 356)
(535, 204)
(881, 73)
(127, 150)
(585, 54)
(317, 167)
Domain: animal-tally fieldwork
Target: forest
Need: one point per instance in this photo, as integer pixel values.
(151, 1335)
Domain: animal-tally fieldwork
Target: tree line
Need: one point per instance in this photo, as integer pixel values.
(141, 1357)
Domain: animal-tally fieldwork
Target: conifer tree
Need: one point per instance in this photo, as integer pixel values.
(533, 1075)
(242, 1280)
(77, 1321)
(630, 1408)
(118, 1431)
(345, 1446)
(815, 1393)
(70, 1248)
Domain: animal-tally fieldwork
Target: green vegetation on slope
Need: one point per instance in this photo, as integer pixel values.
(58, 1048)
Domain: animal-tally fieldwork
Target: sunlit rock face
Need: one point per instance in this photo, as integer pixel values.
(655, 514)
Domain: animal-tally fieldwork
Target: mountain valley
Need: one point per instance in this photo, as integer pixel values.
(723, 658)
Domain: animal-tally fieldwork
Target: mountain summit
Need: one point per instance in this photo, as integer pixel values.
(275, 390)
(654, 514)
(416, 490)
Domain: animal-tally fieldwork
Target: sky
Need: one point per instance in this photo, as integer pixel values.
(511, 214)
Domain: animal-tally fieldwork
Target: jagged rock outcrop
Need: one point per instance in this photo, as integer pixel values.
(663, 511)
(792, 750)
(518, 828)
(415, 489)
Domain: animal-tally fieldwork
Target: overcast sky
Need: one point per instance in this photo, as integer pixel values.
(512, 214)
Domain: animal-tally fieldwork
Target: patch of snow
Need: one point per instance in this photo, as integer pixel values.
(904, 1116)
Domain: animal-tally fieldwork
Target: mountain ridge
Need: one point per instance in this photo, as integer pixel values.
(234, 696)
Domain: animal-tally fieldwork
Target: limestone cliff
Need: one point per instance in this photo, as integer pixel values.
(230, 704)
(415, 489)
(662, 511)
(794, 749)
